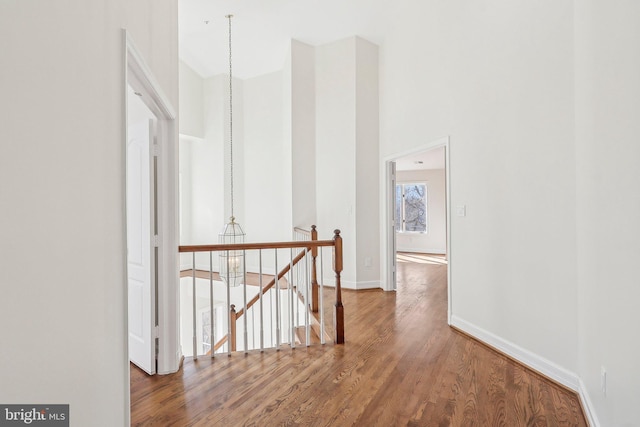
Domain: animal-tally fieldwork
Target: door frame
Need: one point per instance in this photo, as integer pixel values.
(388, 247)
(138, 75)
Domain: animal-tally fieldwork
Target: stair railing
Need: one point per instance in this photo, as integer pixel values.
(309, 250)
(300, 234)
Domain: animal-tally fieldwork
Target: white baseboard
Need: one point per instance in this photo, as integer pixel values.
(587, 405)
(371, 284)
(354, 285)
(536, 362)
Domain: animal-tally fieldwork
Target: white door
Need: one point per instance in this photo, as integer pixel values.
(140, 245)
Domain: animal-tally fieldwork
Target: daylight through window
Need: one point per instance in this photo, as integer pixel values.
(411, 208)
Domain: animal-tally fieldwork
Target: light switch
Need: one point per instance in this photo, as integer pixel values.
(461, 210)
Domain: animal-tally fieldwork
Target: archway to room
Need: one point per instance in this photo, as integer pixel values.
(416, 248)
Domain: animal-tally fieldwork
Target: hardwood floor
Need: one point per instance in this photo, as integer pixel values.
(401, 365)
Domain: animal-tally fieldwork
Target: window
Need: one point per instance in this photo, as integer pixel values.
(411, 208)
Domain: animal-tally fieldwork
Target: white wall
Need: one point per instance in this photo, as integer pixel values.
(62, 194)
(267, 160)
(209, 163)
(302, 122)
(367, 140)
(208, 166)
(267, 166)
(347, 184)
(261, 164)
(607, 100)
(191, 102)
(277, 120)
(434, 241)
(335, 146)
(497, 78)
(204, 167)
(238, 201)
(186, 188)
(540, 102)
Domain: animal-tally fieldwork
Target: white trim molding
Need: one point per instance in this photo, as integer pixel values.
(587, 405)
(353, 285)
(534, 361)
(360, 285)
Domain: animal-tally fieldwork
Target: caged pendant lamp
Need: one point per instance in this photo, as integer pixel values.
(231, 261)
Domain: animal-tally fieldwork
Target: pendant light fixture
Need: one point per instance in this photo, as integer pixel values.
(231, 261)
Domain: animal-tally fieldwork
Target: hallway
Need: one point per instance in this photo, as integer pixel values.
(401, 365)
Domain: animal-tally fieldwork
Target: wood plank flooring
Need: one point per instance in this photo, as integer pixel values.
(401, 365)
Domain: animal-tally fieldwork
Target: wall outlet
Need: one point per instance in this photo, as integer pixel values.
(367, 261)
(603, 380)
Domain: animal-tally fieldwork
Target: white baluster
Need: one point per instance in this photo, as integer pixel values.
(212, 329)
(193, 276)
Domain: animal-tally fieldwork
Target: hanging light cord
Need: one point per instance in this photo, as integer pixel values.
(230, 116)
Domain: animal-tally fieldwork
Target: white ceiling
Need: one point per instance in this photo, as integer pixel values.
(262, 30)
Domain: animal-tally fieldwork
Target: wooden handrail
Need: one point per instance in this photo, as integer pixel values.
(261, 245)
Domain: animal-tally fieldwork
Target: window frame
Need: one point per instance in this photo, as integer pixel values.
(402, 219)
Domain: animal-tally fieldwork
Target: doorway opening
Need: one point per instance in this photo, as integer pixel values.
(151, 188)
(417, 209)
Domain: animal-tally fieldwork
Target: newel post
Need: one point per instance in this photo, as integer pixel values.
(314, 275)
(233, 317)
(338, 309)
